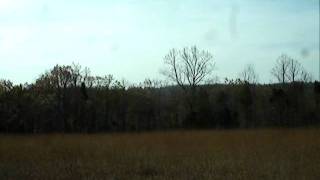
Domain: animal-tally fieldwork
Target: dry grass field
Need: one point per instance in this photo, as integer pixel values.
(229, 154)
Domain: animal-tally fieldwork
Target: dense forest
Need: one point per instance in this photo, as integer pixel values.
(68, 98)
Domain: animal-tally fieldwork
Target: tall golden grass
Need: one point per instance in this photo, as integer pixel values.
(229, 154)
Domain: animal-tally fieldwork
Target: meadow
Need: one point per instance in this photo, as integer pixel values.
(207, 154)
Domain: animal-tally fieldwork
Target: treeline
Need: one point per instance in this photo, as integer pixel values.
(69, 99)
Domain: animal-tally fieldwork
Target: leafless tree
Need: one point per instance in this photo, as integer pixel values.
(76, 74)
(152, 83)
(103, 82)
(294, 70)
(61, 76)
(88, 79)
(280, 70)
(305, 76)
(249, 74)
(188, 67)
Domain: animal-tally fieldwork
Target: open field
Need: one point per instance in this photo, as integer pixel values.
(230, 154)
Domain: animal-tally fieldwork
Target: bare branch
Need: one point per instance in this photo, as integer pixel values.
(280, 70)
(188, 67)
(249, 74)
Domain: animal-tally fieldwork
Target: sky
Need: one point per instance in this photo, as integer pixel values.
(129, 38)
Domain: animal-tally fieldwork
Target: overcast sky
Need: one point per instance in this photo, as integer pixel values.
(129, 38)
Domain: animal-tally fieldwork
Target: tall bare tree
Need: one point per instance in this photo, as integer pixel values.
(249, 74)
(280, 70)
(294, 70)
(188, 67)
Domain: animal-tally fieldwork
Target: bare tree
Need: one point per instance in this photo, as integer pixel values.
(76, 74)
(294, 70)
(61, 76)
(60, 79)
(288, 69)
(249, 74)
(152, 83)
(104, 81)
(305, 76)
(88, 79)
(280, 70)
(188, 67)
